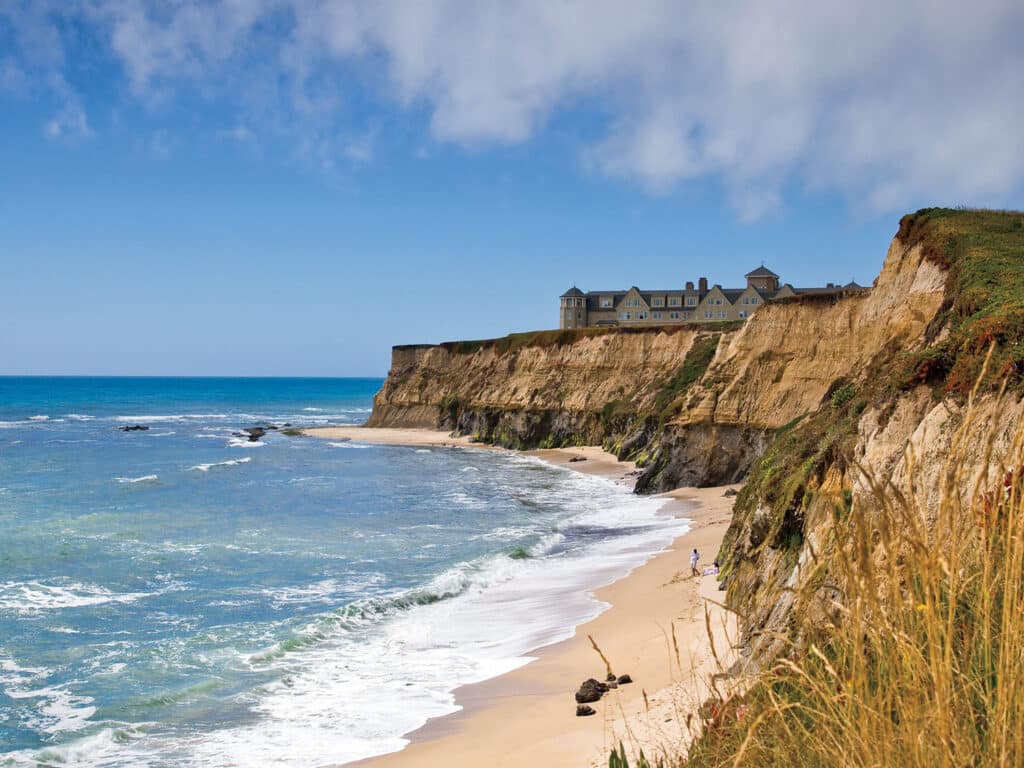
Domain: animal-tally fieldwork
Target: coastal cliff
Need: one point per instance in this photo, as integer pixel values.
(804, 400)
(691, 405)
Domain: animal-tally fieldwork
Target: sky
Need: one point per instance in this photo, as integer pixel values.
(290, 187)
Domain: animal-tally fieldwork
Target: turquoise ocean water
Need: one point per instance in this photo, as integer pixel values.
(181, 596)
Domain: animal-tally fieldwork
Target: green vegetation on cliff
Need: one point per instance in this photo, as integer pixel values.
(984, 253)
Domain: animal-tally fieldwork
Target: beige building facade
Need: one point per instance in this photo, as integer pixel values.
(700, 304)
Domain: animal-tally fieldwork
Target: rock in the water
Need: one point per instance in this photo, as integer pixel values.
(255, 433)
(624, 679)
(582, 710)
(135, 428)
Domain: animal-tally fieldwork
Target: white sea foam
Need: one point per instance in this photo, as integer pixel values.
(35, 597)
(79, 417)
(42, 417)
(228, 463)
(358, 679)
(162, 434)
(423, 450)
(140, 419)
(142, 479)
(313, 409)
(102, 749)
(244, 442)
(349, 444)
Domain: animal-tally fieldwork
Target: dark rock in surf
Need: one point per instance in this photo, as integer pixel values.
(582, 710)
(135, 428)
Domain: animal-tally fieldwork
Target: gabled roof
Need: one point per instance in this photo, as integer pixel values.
(853, 286)
(761, 271)
(573, 293)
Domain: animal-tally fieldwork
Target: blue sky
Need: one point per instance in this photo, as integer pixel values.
(289, 187)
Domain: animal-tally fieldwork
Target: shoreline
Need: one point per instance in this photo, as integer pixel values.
(527, 716)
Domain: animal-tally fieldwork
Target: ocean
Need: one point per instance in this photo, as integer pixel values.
(182, 596)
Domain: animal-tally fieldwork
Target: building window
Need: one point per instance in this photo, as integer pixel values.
(708, 315)
(691, 301)
(626, 315)
(606, 303)
(722, 314)
(754, 300)
(673, 315)
(687, 315)
(656, 315)
(743, 314)
(641, 315)
(658, 301)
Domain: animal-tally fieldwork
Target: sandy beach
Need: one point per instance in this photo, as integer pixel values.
(528, 716)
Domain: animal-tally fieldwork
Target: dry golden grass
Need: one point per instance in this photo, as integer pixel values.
(922, 663)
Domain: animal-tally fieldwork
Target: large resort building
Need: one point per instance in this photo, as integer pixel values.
(689, 305)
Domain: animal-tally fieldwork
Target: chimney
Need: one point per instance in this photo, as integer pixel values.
(689, 285)
(830, 285)
(703, 283)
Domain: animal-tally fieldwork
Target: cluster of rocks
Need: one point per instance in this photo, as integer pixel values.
(134, 428)
(253, 434)
(592, 690)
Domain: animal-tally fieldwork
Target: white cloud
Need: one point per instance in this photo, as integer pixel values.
(69, 124)
(886, 103)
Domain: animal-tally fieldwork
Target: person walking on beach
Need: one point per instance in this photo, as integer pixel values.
(694, 557)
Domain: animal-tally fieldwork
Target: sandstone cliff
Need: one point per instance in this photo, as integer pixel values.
(808, 393)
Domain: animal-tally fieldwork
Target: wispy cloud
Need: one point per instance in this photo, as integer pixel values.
(884, 103)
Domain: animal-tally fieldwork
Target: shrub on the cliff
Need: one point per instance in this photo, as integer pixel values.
(667, 403)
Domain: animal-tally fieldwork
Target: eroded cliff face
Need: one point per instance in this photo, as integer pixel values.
(547, 389)
(696, 422)
(784, 362)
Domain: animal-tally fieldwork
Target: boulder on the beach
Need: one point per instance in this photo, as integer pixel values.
(624, 680)
(574, 459)
(135, 428)
(610, 678)
(590, 690)
(582, 710)
(730, 492)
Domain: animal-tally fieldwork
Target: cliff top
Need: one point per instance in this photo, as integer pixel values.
(984, 253)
